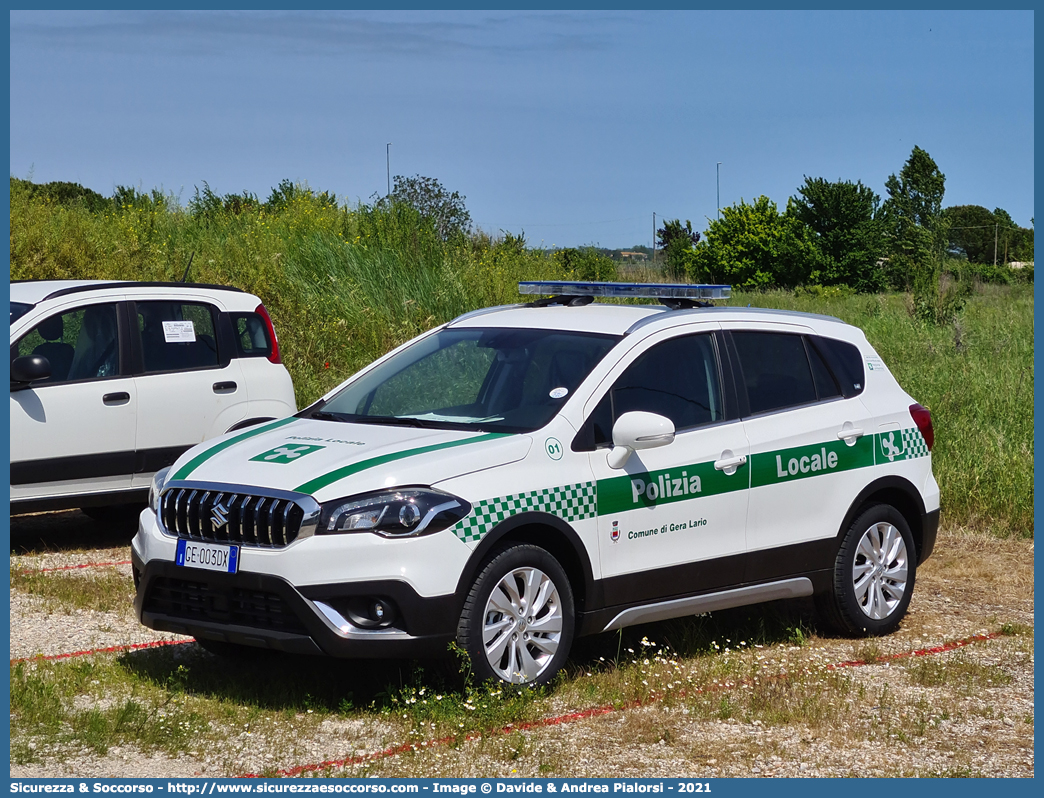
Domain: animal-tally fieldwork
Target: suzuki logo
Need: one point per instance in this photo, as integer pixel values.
(218, 516)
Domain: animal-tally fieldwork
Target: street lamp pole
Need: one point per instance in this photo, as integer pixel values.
(387, 159)
(718, 169)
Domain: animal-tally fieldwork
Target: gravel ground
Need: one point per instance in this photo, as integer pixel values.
(973, 584)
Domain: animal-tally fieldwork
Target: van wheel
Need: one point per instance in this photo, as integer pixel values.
(873, 574)
(517, 622)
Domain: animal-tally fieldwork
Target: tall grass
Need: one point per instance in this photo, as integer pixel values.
(344, 285)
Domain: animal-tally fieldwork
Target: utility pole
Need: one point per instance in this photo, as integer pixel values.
(718, 169)
(387, 159)
(995, 245)
(654, 238)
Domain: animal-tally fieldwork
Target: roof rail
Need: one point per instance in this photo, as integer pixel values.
(673, 295)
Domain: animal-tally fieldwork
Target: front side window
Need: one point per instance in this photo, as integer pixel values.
(677, 379)
(508, 380)
(177, 336)
(80, 344)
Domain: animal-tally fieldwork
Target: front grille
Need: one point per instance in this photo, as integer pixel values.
(217, 516)
(200, 601)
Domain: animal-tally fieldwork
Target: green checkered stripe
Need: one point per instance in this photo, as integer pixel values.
(913, 444)
(568, 502)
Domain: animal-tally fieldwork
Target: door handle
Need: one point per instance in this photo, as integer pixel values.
(225, 387)
(118, 398)
(730, 462)
(849, 435)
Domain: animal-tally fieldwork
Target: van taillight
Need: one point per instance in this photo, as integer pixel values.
(922, 417)
(273, 355)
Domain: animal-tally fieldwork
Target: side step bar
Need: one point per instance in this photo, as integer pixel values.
(723, 600)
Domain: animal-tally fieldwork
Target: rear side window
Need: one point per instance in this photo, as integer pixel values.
(177, 336)
(251, 335)
(846, 363)
(775, 368)
(826, 385)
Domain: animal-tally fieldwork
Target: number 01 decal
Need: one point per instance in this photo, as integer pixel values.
(553, 447)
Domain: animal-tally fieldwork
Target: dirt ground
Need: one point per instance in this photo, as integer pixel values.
(945, 719)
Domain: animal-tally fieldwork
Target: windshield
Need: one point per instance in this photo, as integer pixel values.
(502, 380)
(19, 309)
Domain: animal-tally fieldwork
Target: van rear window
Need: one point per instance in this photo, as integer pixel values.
(251, 335)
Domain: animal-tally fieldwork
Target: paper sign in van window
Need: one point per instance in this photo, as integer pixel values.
(178, 332)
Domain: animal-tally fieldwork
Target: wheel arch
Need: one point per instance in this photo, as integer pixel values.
(550, 533)
(898, 492)
(248, 422)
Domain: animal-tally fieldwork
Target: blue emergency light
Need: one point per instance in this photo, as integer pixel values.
(691, 291)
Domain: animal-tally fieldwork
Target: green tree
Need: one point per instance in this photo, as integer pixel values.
(845, 220)
(431, 199)
(914, 219)
(585, 263)
(970, 230)
(676, 240)
(755, 246)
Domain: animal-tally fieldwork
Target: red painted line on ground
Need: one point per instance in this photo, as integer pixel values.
(77, 567)
(572, 717)
(921, 652)
(109, 650)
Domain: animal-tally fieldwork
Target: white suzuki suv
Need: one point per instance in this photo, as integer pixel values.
(112, 381)
(526, 474)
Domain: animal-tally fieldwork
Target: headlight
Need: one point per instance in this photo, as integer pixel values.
(405, 512)
(159, 479)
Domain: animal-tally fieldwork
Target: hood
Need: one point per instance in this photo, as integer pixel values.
(329, 459)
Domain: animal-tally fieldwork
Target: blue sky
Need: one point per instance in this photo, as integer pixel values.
(572, 127)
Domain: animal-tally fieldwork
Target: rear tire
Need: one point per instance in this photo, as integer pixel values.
(518, 620)
(874, 574)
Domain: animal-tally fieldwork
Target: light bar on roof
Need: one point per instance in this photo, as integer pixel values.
(645, 290)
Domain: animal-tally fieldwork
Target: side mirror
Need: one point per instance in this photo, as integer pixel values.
(27, 369)
(638, 430)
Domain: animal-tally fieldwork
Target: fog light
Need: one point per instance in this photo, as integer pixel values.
(381, 612)
(369, 612)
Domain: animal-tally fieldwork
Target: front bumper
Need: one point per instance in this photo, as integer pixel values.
(301, 598)
(268, 612)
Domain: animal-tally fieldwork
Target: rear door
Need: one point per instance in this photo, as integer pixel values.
(189, 387)
(809, 446)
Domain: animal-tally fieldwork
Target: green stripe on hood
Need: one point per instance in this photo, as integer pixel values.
(346, 471)
(201, 458)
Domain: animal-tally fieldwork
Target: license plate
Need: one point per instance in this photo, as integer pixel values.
(208, 556)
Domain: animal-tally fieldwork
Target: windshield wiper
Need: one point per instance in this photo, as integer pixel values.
(323, 415)
(396, 421)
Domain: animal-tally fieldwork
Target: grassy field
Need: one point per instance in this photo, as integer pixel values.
(745, 692)
(345, 285)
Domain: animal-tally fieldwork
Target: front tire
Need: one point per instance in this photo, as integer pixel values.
(873, 574)
(518, 621)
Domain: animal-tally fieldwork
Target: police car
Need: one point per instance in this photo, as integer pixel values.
(526, 474)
